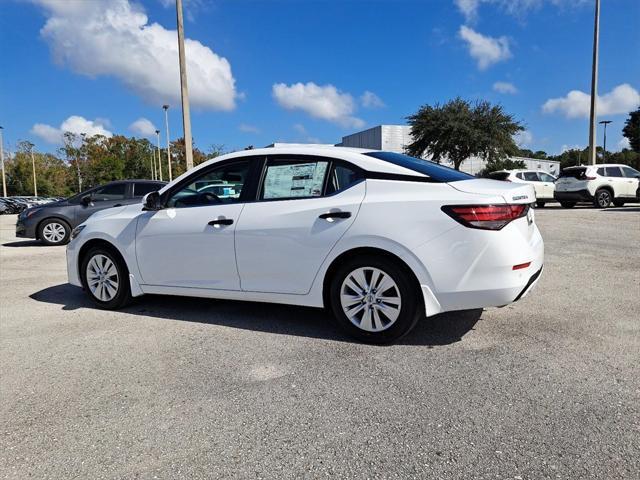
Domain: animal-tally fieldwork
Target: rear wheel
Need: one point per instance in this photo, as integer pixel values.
(568, 204)
(602, 198)
(54, 232)
(618, 203)
(375, 300)
(105, 278)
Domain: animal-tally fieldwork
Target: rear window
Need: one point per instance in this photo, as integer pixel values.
(578, 173)
(435, 171)
(499, 175)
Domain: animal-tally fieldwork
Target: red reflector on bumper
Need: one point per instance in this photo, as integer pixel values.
(521, 266)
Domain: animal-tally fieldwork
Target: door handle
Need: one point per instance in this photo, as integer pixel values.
(221, 221)
(335, 215)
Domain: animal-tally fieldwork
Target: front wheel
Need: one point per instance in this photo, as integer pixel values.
(54, 232)
(105, 278)
(375, 300)
(602, 198)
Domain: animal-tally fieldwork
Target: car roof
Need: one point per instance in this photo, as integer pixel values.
(355, 156)
(598, 165)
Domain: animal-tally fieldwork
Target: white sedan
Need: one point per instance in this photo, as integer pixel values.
(380, 239)
(542, 182)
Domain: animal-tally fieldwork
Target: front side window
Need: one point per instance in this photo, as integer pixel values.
(116, 191)
(294, 179)
(545, 177)
(520, 176)
(531, 177)
(613, 172)
(215, 186)
(630, 172)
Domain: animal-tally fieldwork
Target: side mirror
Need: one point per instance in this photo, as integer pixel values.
(151, 202)
(86, 200)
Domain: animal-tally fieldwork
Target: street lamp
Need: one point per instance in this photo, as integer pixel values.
(166, 122)
(4, 180)
(159, 155)
(604, 155)
(594, 86)
(33, 165)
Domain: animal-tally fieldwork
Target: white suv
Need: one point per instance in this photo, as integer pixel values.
(542, 182)
(600, 184)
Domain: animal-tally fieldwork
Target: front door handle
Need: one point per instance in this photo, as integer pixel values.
(221, 221)
(335, 215)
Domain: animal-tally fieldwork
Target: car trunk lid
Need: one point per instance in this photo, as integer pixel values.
(512, 193)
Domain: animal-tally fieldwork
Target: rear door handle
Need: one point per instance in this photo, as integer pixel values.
(335, 215)
(221, 221)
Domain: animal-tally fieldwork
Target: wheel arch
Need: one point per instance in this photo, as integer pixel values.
(362, 251)
(99, 242)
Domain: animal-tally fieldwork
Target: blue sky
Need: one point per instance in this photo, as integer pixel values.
(265, 71)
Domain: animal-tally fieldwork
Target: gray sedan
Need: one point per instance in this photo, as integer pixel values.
(52, 223)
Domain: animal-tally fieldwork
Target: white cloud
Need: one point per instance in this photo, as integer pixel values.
(517, 8)
(371, 100)
(576, 104)
(565, 148)
(246, 128)
(484, 49)
(325, 102)
(624, 143)
(115, 38)
(505, 87)
(523, 139)
(74, 124)
(143, 127)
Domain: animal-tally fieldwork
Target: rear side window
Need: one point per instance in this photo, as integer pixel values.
(531, 177)
(285, 179)
(435, 171)
(613, 172)
(141, 189)
(578, 173)
(341, 178)
(499, 175)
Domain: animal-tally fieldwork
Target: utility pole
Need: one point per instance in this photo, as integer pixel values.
(594, 86)
(35, 182)
(4, 179)
(159, 155)
(186, 117)
(153, 163)
(166, 122)
(604, 155)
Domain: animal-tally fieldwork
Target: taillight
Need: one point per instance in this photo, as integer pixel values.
(485, 217)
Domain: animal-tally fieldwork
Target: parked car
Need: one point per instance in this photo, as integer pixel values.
(378, 238)
(53, 222)
(543, 183)
(601, 185)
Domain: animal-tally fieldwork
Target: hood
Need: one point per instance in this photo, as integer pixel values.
(511, 192)
(107, 212)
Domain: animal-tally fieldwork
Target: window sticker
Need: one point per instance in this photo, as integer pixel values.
(297, 180)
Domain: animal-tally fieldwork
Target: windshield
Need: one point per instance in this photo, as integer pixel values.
(435, 171)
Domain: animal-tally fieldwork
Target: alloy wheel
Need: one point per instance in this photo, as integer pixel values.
(54, 232)
(102, 277)
(370, 299)
(604, 199)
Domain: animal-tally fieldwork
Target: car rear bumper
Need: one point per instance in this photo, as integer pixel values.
(573, 196)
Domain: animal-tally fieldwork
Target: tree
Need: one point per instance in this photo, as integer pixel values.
(631, 130)
(459, 129)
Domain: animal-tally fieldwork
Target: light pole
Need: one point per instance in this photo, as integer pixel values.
(159, 156)
(4, 180)
(186, 117)
(594, 86)
(604, 155)
(33, 164)
(166, 122)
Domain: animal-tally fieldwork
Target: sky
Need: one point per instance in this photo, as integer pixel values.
(267, 71)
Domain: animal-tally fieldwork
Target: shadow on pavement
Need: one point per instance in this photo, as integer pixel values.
(24, 243)
(443, 329)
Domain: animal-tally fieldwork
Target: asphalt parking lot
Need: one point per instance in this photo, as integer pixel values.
(184, 388)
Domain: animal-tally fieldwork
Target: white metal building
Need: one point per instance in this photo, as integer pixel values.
(394, 138)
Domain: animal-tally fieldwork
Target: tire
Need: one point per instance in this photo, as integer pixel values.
(384, 322)
(54, 231)
(540, 204)
(568, 204)
(618, 203)
(602, 198)
(105, 268)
